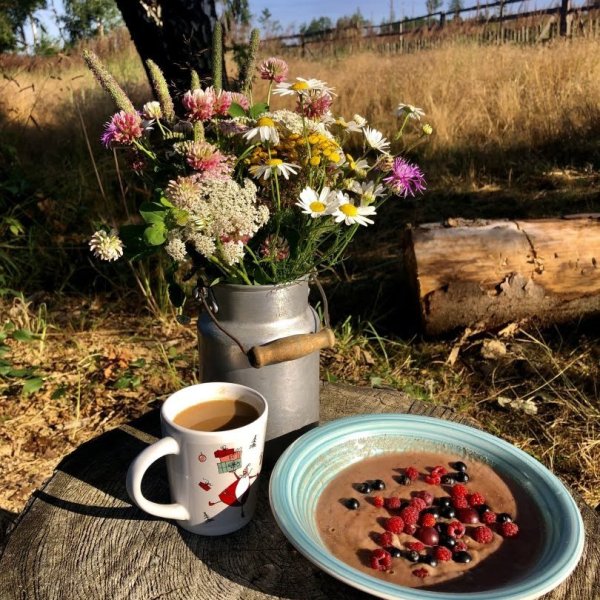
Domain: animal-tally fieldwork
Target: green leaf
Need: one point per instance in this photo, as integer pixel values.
(20, 373)
(3, 335)
(176, 295)
(4, 349)
(23, 335)
(59, 392)
(235, 110)
(152, 212)
(156, 234)
(138, 363)
(32, 385)
(258, 109)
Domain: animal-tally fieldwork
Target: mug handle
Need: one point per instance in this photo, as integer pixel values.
(135, 474)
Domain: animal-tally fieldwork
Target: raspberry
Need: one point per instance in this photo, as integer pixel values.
(410, 514)
(433, 479)
(418, 503)
(378, 501)
(460, 502)
(458, 490)
(488, 517)
(508, 529)
(427, 496)
(411, 473)
(475, 499)
(422, 573)
(482, 535)
(460, 546)
(381, 560)
(416, 546)
(438, 471)
(394, 524)
(410, 528)
(455, 529)
(427, 520)
(442, 553)
(393, 502)
(385, 539)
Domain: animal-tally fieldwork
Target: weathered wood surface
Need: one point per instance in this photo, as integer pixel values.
(488, 273)
(80, 537)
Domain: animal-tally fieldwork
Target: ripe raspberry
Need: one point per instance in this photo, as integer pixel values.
(482, 535)
(455, 529)
(410, 514)
(460, 546)
(427, 496)
(438, 471)
(411, 473)
(378, 501)
(458, 490)
(385, 539)
(393, 503)
(418, 503)
(442, 553)
(460, 502)
(508, 529)
(475, 499)
(422, 573)
(427, 520)
(416, 546)
(488, 517)
(433, 479)
(381, 560)
(410, 528)
(394, 524)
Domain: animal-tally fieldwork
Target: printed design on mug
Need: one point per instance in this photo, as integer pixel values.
(228, 459)
(202, 457)
(236, 493)
(205, 484)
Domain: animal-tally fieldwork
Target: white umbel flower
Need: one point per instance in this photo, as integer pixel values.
(375, 139)
(273, 166)
(106, 246)
(265, 131)
(152, 110)
(317, 205)
(403, 110)
(350, 214)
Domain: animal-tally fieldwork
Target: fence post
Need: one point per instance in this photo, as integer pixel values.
(442, 19)
(564, 11)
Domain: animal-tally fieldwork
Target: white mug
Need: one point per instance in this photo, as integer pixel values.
(213, 475)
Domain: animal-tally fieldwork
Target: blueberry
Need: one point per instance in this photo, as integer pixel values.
(459, 466)
(352, 503)
(445, 501)
(483, 508)
(441, 527)
(461, 477)
(395, 552)
(378, 485)
(461, 557)
(433, 510)
(365, 488)
(447, 541)
(403, 479)
(429, 559)
(449, 478)
(448, 512)
(504, 518)
(412, 556)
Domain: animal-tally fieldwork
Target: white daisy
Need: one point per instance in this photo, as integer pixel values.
(272, 166)
(358, 166)
(317, 205)
(265, 131)
(368, 191)
(351, 214)
(409, 110)
(360, 121)
(375, 139)
(302, 86)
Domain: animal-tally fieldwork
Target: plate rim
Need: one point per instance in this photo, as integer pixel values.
(519, 590)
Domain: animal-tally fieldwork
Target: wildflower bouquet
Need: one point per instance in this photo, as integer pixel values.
(244, 192)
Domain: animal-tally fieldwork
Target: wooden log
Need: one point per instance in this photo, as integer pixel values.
(487, 273)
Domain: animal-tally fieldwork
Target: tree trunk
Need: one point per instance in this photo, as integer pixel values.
(487, 273)
(175, 34)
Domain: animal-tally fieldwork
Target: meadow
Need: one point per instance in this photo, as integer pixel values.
(516, 134)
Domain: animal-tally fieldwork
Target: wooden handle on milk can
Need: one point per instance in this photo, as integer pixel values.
(290, 348)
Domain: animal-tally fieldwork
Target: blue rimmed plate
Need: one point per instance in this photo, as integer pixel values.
(308, 465)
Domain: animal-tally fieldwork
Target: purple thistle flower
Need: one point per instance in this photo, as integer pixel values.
(406, 179)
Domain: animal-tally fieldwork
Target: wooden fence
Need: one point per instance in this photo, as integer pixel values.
(434, 30)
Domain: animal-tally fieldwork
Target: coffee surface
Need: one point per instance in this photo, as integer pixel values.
(217, 415)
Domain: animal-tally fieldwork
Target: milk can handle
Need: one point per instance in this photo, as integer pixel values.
(282, 349)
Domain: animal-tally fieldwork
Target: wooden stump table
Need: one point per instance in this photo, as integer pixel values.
(80, 537)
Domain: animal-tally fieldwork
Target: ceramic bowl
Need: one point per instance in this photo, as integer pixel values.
(308, 465)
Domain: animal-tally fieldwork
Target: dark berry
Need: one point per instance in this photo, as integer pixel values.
(448, 512)
(459, 466)
(395, 552)
(461, 477)
(504, 518)
(445, 501)
(428, 535)
(483, 508)
(441, 527)
(352, 503)
(365, 488)
(447, 541)
(468, 515)
(403, 479)
(449, 479)
(378, 485)
(412, 555)
(428, 559)
(433, 511)
(462, 557)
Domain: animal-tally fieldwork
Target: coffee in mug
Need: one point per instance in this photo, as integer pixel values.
(217, 415)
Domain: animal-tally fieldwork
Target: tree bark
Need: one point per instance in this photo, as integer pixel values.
(175, 34)
(487, 273)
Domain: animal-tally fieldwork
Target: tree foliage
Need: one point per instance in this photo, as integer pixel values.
(316, 26)
(433, 6)
(86, 18)
(13, 17)
(455, 6)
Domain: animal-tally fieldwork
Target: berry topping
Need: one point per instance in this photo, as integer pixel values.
(433, 510)
(442, 554)
(460, 546)
(488, 517)
(410, 528)
(412, 556)
(444, 501)
(448, 512)
(378, 484)
(416, 546)
(428, 497)
(508, 529)
(483, 508)
(385, 539)
(427, 520)
(393, 502)
(395, 552)
(378, 501)
(482, 535)
(460, 502)
(381, 560)
(364, 488)
(438, 471)
(403, 479)
(468, 515)
(422, 573)
(504, 518)
(455, 529)
(475, 499)
(418, 503)
(432, 479)
(394, 524)
(448, 542)
(458, 490)
(411, 473)
(410, 514)
(352, 503)
(428, 535)
(429, 559)
(462, 557)
(461, 477)
(459, 466)
(448, 479)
